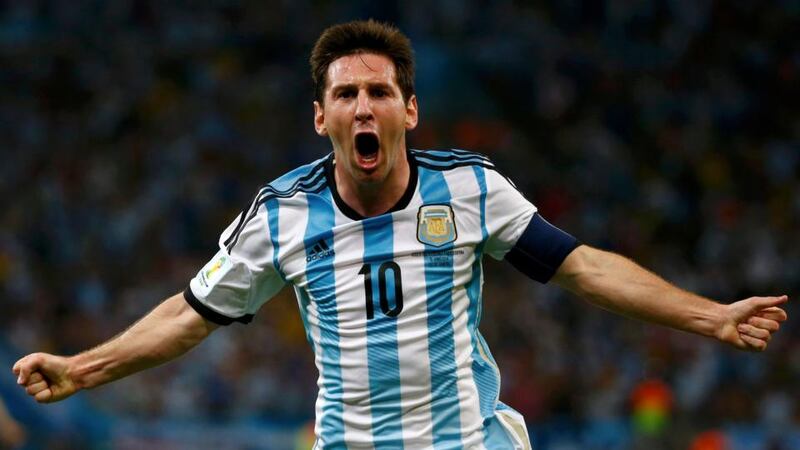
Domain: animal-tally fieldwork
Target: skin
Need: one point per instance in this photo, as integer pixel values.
(168, 331)
(362, 96)
(617, 284)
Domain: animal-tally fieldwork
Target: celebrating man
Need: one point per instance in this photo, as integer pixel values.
(383, 246)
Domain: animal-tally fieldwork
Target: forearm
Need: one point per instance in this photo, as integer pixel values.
(168, 331)
(619, 285)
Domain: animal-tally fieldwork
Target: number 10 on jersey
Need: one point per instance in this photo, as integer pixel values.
(383, 291)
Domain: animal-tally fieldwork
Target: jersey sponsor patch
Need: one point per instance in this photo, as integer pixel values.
(214, 270)
(320, 250)
(436, 225)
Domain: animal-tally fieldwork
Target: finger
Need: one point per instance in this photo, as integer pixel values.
(773, 313)
(753, 343)
(44, 396)
(766, 324)
(22, 374)
(26, 366)
(35, 377)
(749, 330)
(761, 303)
(35, 388)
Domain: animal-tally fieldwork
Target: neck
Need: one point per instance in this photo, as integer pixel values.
(373, 199)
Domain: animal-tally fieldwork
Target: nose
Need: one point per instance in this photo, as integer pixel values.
(363, 107)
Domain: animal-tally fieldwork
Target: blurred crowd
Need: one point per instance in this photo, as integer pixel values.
(133, 131)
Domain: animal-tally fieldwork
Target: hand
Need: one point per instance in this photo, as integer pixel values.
(749, 324)
(45, 377)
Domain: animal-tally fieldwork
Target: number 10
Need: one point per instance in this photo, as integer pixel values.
(366, 270)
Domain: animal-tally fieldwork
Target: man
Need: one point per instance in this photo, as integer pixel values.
(383, 247)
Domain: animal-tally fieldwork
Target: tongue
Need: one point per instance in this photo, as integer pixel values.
(367, 145)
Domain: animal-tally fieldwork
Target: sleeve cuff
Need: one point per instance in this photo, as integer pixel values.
(211, 315)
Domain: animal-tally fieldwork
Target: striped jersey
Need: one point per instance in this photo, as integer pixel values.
(390, 304)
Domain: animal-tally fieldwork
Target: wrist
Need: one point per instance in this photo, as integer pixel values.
(718, 328)
(75, 371)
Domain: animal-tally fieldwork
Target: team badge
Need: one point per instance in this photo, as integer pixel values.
(436, 225)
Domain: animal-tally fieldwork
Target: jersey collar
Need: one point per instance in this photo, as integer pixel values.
(405, 199)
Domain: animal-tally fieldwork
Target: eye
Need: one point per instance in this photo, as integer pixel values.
(379, 93)
(345, 94)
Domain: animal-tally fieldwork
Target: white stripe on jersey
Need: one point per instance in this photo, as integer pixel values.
(289, 243)
(313, 330)
(413, 356)
(348, 245)
(504, 233)
(465, 192)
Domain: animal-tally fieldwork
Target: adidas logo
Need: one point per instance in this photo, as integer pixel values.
(319, 251)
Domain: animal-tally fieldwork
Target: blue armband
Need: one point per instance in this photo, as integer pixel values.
(541, 249)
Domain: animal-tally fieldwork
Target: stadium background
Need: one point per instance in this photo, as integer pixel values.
(132, 132)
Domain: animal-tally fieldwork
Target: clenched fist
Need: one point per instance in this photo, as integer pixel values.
(45, 377)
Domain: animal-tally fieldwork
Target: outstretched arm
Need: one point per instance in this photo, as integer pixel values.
(168, 331)
(617, 284)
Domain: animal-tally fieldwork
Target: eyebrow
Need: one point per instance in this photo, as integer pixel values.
(370, 85)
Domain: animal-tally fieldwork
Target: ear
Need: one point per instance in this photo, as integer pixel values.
(412, 113)
(319, 119)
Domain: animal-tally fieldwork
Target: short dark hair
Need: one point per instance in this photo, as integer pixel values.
(362, 36)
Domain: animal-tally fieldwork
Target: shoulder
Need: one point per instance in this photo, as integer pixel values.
(450, 159)
(307, 178)
(457, 163)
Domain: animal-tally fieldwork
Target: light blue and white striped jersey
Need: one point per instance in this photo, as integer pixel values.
(391, 304)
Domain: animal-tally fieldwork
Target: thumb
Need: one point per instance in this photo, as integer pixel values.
(761, 303)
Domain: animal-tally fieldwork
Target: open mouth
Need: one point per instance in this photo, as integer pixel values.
(367, 145)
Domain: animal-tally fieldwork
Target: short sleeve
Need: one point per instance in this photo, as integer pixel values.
(507, 214)
(520, 235)
(241, 276)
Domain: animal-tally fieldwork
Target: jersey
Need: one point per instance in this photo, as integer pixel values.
(390, 304)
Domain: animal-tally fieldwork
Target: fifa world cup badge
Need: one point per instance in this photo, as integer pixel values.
(215, 269)
(436, 225)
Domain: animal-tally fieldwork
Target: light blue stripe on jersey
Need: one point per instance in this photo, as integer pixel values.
(484, 372)
(322, 288)
(445, 411)
(495, 435)
(384, 365)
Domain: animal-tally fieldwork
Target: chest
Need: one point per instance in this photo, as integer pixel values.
(389, 266)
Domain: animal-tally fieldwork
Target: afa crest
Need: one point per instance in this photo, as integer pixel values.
(436, 225)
